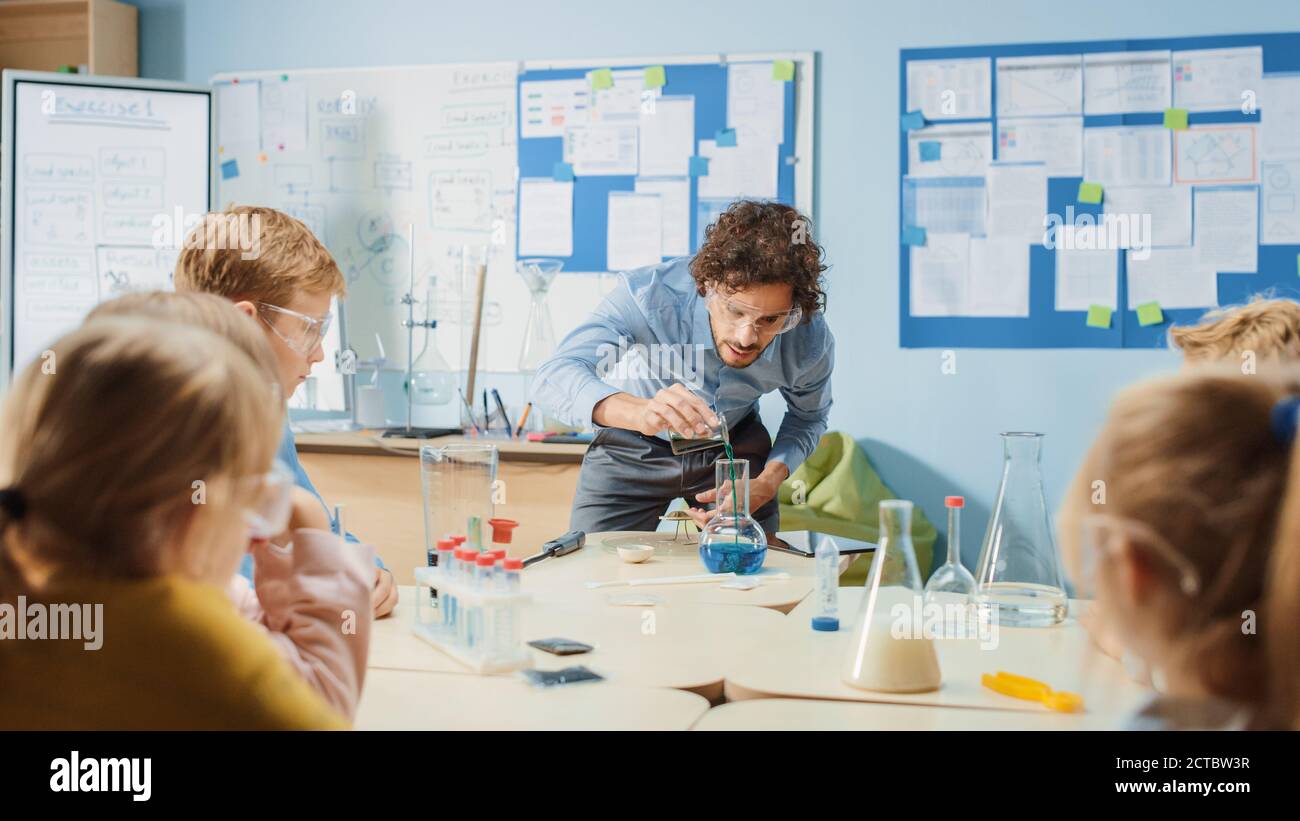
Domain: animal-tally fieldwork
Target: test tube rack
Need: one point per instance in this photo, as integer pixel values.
(502, 660)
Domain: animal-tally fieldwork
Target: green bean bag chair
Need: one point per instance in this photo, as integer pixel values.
(841, 493)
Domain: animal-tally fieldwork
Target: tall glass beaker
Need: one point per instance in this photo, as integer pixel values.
(539, 335)
(732, 542)
(1019, 572)
(891, 651)
(458, 482)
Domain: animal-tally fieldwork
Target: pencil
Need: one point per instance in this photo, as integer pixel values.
(468, 410)
(523, 419)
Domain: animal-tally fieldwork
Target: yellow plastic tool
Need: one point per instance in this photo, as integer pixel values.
(1029, 689)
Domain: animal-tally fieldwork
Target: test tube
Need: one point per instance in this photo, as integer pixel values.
(827, 560)
(508, 634)
(464, 560)
(444, 560)
(478, 615)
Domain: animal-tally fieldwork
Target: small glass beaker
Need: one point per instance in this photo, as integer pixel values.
(891, 651)
(1019, 573)
(732, 542)
(718, 436)
(457, 480)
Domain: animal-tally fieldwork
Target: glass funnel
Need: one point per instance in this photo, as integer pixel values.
(1019, 574)
(457, 481)
(732, 542)
(539, 336)
(432, 379)
(891, 651)
(952, 583)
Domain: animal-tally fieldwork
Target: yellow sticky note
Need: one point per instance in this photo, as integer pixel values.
(1090, 192)
(602, 78)
(1149, 313)
(1176, 118)
(654, 77)
(1098, 316)
(783, 70)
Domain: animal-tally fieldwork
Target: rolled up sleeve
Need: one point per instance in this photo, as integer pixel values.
(808, 407)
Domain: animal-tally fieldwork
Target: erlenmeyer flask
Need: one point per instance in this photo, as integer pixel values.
(539, 335)
(732, 542)
(432, 380)
(890, 651)
(1019, 573)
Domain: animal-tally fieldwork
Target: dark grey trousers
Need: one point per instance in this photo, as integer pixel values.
(629, 479)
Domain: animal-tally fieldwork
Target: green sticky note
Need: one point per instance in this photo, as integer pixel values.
(1090, 192)
(602, 78)
(654, 77)
(1176, 118)
(1098, 316)
(1149, 313)
(783, 70)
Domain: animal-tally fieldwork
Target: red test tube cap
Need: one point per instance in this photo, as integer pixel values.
(514, 564)
(484, 560)
(954, 501)
(502, 529)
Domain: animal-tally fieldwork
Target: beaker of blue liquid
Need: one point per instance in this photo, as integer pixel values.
(732, 542)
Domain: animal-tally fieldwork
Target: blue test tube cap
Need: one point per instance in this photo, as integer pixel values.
(825, 624)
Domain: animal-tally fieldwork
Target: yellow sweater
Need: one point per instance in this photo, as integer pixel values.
(175, 655)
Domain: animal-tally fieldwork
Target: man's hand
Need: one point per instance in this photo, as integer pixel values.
(762, 489)
(384, 597)
(674, 408)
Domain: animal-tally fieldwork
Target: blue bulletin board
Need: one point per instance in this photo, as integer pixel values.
(706, 81)
(1044, 326)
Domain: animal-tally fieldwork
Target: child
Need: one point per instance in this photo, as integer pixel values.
(1185, 520)
(135, 521)
(279, 274)
(1270, 328)
(297, 589)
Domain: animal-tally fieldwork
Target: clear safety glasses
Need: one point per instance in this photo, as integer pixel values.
(1103, 533)
(300, 332)
(270, 501)
(738, 314)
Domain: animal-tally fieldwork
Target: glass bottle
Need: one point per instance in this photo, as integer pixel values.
(952, 582)
(1019, 574)
(890, 651)
(539, 335)
(732, 542)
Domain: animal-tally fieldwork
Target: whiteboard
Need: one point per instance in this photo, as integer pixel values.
(99, 178)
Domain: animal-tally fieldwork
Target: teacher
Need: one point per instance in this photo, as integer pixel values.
(678, 343)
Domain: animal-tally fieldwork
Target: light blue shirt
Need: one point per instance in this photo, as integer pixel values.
(653, 330)
(288, 454)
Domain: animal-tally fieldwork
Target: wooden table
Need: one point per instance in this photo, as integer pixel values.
(378, 480)
(409, 700)
(802, 714)
(681, 646)
(800, 663)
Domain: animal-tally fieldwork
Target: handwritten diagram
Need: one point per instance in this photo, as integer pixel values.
(1216, 154)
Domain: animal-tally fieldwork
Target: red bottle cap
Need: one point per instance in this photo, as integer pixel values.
(445, 544)
(954, 501)
(458, 539)
(485, 560)
(514, 564)
(497, 554)
(501, 530)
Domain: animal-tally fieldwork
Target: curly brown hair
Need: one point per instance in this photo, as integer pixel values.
(761, 243)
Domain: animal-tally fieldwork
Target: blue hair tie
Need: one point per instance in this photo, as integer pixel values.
(1284, 417)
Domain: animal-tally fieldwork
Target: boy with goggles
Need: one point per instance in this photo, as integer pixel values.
(682, 345)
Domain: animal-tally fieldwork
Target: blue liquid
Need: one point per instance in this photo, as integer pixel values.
(733, 557)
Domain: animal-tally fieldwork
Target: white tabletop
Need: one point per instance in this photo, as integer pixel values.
(804, 714)
(798, 662)
(680, 645)
(410, 700)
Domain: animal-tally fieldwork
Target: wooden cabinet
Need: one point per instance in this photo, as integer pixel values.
(44, 35)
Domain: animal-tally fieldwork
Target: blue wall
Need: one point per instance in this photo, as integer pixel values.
(930, 434)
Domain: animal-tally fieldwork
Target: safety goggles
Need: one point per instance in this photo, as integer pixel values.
(738, 315)
(300, 332)
(1103, 534)
(270, 502)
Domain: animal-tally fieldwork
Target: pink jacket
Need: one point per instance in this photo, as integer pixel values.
(313, 598)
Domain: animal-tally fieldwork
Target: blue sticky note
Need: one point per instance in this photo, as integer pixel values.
(726, 138)
(913, 120)
(562, 172)
(913, 235)
(929, 151)
(229, 169)
(699, 166)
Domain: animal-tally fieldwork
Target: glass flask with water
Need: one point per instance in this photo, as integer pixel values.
(1019, 574)
(457, 481)
(732, 542)
(891, 651)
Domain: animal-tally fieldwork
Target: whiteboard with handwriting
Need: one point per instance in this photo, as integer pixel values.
(363, 156)
(94, 170)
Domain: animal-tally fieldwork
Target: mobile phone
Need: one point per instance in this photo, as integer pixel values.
(556, 678)
(561, 647)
